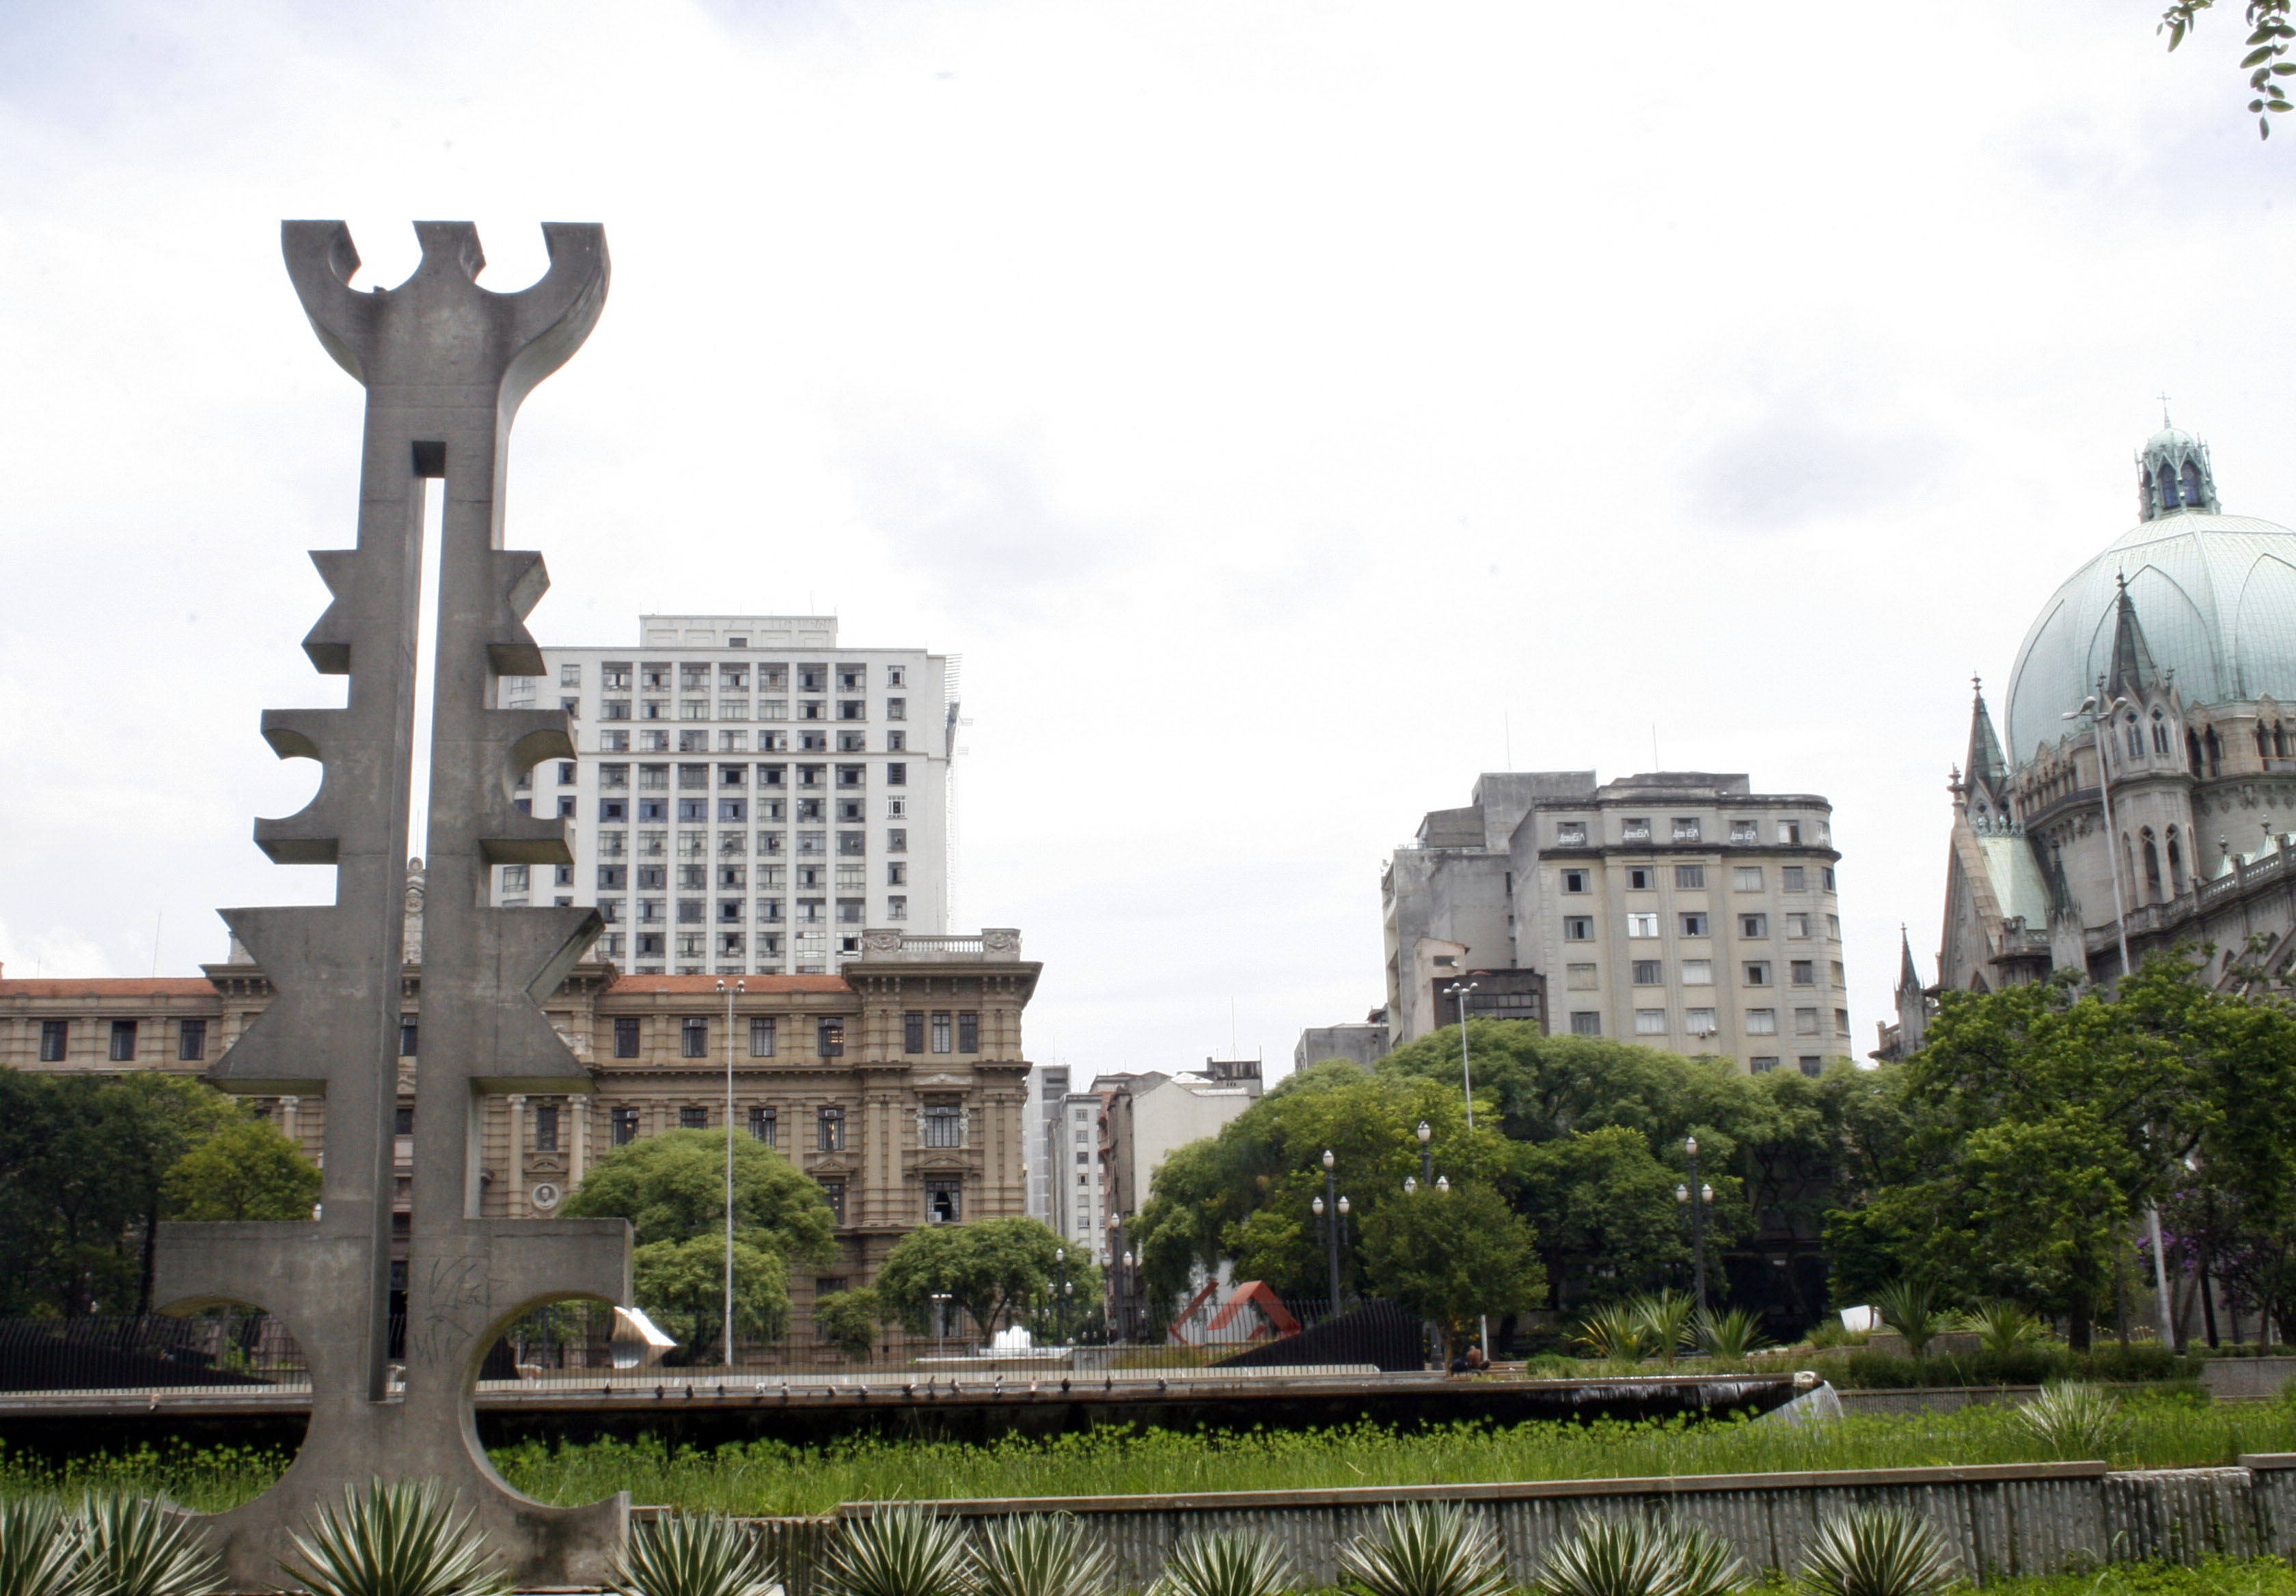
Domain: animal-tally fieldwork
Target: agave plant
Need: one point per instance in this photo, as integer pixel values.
(2003, 1327)
(694, 1555)
(1040, 1554)
(1732, 1335)
(1911, 1309)
(1614, 1333)
(1878, 1552)
(1666, 1318)
(2075, 1420)
(132, 1546)
(1710, 1565)
(1633, 1556)
(1426, 1549)
(39, 1551)
(1224, 1564)
(393, 1539)
(901, 1551)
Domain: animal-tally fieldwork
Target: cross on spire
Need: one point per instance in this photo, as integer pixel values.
(2164, 411)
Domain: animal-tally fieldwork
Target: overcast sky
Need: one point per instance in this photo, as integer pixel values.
(1289, 411)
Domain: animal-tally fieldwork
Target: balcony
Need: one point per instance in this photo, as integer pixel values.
(995, 944)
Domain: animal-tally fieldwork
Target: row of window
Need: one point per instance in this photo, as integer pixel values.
(726, 811)
(938, 1031)
(770, 911)
(615, 675)
(729, 878)
(689, 741)
(1689, 827)
(1701, 1022)
(692, 949)
(736, 845)
(846, 710)
(1700, 972)
(191, 1040)
(1697, 922)
(1743, 877)
(695, 778)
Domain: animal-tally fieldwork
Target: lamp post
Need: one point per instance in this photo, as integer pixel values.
(731, 992)
(2102, 729)
(1127, 1290)
(1426, 1153)
(1330, 1200)
(1459, 990)
(1059, 1291)
(940, 1323)
(1703, 1200)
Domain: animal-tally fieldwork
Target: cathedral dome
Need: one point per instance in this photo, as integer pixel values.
(2216, 596)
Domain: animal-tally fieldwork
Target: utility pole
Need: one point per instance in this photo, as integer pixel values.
(730, 992)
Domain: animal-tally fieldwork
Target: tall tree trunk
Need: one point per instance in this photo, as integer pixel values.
(2081, 1322)
(151, 1256)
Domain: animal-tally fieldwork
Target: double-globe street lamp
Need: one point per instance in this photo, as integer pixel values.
(1331, 1211)
(1698, 1198)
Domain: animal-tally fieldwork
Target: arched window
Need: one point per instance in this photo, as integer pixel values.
(2193, 752)
(2159, 733)
(2215, 752)
(2176, 864)
(2263, 743)
(2136, 738)
(2151, 867)
(2168, 485)
(2192, 483)
(2279, 741)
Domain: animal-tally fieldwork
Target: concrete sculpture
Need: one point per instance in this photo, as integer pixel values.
(444, 363)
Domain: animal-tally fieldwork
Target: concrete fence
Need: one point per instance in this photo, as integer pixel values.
(2002, 1520)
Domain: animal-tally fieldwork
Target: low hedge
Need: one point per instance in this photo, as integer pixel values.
(2110, 1364)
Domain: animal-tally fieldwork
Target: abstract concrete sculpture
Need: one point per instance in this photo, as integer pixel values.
(444, 363)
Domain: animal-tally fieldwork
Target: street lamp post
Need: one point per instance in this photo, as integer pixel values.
(1426, 1154)
(940, 1323)
(2102, 731)
(1059, 1292)
(1330, 1201)
(1128, 1315)
(1459, 990)
(731, 992)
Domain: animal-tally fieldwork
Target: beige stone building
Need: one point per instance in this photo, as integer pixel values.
(897, 1084)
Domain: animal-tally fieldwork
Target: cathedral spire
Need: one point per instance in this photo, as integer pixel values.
(2133, 674)
(1909, 980)
(1984, 779)
(2173, 474)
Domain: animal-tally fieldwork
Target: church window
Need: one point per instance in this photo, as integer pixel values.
(2215, 752)
(2151, 865)
(2159, 733)
(2279, 741)
(2135, 739)
(2192, 492)
(2176, 864)
(2192, 751)
(2168, 485)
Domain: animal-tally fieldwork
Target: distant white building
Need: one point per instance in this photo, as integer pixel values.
(747, 796)
(1151, 1115)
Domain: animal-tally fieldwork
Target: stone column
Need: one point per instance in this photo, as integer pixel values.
(291, 1119)
(516, 1187)
(578, 1154)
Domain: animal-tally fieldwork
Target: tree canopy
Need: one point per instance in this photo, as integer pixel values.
(244, 1171)
(1450, 1256)
(992, 1269)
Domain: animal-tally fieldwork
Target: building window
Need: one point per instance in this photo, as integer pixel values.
(1690, 875)
(1647, 973)
(410, 1035)
(1758, 974)
(896, 908)
(834, 1191)
(1650, 1022)
(829, 1039)
(1746, 878)
(694, 1036)
(625, 1038)
(1763, 1063)
(1825, 878)
(545, 1127)
(1698, 973)
(1642, 878)
(1761, 1022)
(1637, 925)
(1841, 1022)
(896, 840)
(944, 1202)
(693, 1119)
(761, 1037)
(1580, 977)
(191, 1040)
(56, 1036)
(764, 1126)
(1574, 880)
(1840, 977)
(1585, 1022)
(1693, 924)
(1699, 1022)
(626, 1127)
(1685, 828)
(1745, 830)
(913, 1031)
(941, 1031)
(1790, 833)
(830, 1124)
(123, 1041)
(1793, 878)
(1797, 925)
(1571, 834)
(1834, 928)
(1634, 830)
(944, 1125)
(968, 1033)
(1753, 925)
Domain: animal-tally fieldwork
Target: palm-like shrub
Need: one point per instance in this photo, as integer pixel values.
(39, 1550)
(1226, 1565)
(132, 1546)
(1040, 1554)
(1710, 1566)
(694, 1555)
(2075, 1420)
(1426, 1549)
(1666, 1319)
(901, 1551)
(1732, 1335)
(1633, 1556)
(1614, 1333)
(393, 1539)
(2002, 1328)
(1878, 1552)
(1911, 1309)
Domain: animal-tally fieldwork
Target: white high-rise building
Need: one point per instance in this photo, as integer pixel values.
(747, 798)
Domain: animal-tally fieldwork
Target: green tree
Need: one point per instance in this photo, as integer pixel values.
(848, 1320)
(2269, 36)
(1452, 1255)
(1604, 1211)
(672, 1187)
(244, 1171)
(990, 1268)
(682, 1285)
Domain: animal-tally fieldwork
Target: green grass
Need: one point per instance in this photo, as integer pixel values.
(770, 1477)
(2215, 1576)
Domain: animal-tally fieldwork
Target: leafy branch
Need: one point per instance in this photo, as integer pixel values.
(2269, 37)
